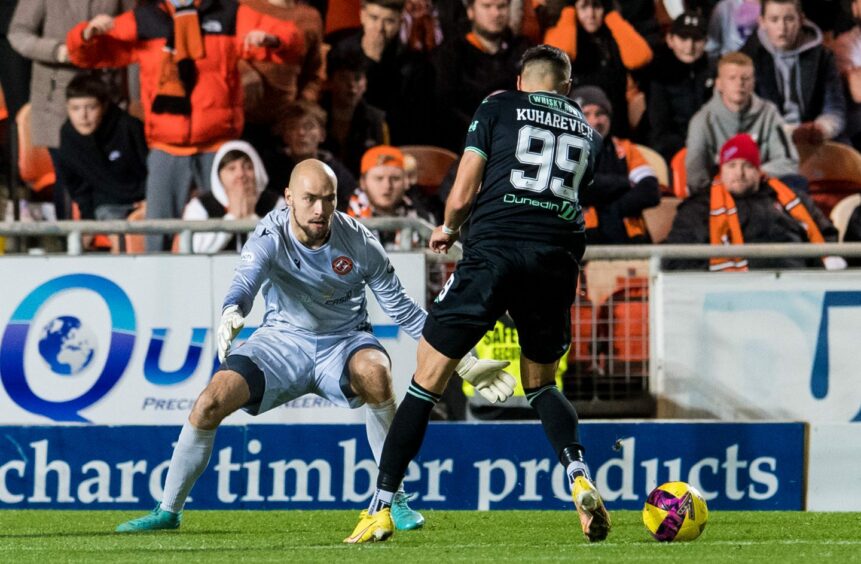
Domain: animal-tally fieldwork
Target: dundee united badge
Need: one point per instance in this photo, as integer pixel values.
(342, 265)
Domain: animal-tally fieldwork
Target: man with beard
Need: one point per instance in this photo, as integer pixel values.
(470, 67)
(314, 264)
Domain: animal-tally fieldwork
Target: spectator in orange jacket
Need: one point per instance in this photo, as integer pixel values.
(603, 48)
(270, 86)
(188, 53)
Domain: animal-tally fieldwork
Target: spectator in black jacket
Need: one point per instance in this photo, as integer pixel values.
(605, 50)
(400, 81)
(624, 182)
(472, 66)
(682, 81)
(743, 205)
(797, 72)
(303, 130)
(103, 152)
(353, 126)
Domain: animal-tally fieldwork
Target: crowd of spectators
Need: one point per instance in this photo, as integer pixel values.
(201, 108)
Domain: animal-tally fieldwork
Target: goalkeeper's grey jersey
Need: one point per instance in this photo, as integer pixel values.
(320, 290)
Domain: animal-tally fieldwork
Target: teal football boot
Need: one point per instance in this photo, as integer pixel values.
(405, 518)
(157, 520)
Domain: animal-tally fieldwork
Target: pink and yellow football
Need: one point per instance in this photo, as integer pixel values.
(675, 511)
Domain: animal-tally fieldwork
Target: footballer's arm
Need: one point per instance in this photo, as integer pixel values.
(469, 176)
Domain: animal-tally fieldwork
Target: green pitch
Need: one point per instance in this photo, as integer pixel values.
(449, 536)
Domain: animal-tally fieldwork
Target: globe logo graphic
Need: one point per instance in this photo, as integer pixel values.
(66, 345)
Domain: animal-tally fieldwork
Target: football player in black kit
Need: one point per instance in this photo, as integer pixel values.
(527, 154)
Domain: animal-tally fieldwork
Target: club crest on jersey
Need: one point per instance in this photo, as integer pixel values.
(342, 265)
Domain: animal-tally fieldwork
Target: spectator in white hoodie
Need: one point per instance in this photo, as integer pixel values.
(238, 178)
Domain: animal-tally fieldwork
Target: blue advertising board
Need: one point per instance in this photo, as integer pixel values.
(461, 466)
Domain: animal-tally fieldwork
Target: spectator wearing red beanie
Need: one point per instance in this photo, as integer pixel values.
(744, 205)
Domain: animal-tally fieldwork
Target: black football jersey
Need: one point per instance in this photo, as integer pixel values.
(539, 151)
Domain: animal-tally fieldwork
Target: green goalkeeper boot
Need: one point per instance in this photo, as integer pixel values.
(157, 520)
(404, 517)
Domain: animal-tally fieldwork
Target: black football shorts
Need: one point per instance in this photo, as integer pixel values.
(536, 284)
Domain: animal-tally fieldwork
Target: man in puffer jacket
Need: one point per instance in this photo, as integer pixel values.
(188, 52)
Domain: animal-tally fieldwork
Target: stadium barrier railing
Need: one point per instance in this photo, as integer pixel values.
(610, 361)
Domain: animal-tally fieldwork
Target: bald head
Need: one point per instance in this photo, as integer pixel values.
(312, 172)
(311, 196)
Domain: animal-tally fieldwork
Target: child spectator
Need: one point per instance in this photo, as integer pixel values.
(102, 152)
(302, 132)
(38, 32)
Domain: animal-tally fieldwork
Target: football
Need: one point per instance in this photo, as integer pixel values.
(675, 511)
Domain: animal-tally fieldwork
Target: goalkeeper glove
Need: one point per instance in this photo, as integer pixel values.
(232, 322)
(488, 377)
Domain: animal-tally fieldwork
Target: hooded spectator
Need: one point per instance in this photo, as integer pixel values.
(238, 179)
(797, 72)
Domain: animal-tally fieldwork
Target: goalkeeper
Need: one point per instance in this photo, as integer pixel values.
(313, 264)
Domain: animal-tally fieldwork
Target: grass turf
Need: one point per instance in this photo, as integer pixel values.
(465, 536)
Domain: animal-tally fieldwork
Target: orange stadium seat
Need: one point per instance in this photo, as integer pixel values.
(34, 163)
(680, 174)
(657, 162)
(833, 171)
(343, 14)
(4, 111)
(583, 331)
(842, 212)
(136, 244)
(659, 219)
(626, 317)
(433, 165)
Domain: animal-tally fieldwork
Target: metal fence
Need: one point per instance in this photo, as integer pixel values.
(609, 363)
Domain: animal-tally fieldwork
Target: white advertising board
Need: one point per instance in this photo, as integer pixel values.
(129, 340)
(834, 467)
(758, 345)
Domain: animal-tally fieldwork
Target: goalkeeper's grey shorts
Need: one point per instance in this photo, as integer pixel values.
(296, 363)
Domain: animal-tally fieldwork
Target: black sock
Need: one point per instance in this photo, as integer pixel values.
(405, 436)
(559, 419)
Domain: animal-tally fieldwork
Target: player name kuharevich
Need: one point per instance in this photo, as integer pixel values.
(552, 119)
